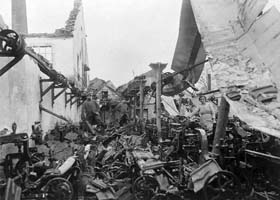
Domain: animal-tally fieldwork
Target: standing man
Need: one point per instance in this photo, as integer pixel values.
(121, 111)
(90, 111)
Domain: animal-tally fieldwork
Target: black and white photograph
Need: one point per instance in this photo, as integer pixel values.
(139, 100)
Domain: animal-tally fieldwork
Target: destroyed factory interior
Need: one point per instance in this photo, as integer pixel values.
(201, 124)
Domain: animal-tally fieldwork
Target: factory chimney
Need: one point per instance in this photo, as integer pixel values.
(19, 16)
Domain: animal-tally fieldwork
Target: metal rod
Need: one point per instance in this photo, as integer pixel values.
(52, 113)
(41, 89)
(52, 95)
(141, 88)
(65, 99)
(10, 64)
(188, 69)
(218, 90)
(81, 101)
(73, 102)
(263, 155)
(47, 89)
(71, 96)
(58, 94)
(134, 109)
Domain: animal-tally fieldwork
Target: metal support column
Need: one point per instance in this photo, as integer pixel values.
(141, 89)
(158, 68)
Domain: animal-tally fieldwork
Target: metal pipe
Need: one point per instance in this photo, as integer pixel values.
(10, 64)
(188, 69)
(134, 109)
(141, 88)
(158, 68)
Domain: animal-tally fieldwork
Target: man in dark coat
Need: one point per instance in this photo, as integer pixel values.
(90, 111)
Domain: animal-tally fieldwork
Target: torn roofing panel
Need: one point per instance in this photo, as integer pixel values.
(188, 47)
(249, 10)
(262, 41)
(256, 117)
(220, 32)
(244, 47)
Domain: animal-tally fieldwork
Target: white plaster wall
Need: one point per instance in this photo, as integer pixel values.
(62, 52)
(63, 62)
(20, 89)
(19, 97)
(72, 113)
(80, 48)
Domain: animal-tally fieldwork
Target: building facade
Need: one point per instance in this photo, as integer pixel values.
(25, 87)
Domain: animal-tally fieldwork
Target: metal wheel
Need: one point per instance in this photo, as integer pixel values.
(223, 185)
(145, 187)
(10, 42)
(58, 189)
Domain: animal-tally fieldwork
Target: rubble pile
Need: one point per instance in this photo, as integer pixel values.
(121, 163)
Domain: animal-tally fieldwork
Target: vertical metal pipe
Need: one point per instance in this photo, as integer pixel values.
(134, 109)
(158, 68)
(158, 102)
(141, 89)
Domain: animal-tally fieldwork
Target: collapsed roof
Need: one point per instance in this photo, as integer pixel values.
(242, 39)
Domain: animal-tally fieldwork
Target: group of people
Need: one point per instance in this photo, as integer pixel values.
(91, 112)
(206, 110)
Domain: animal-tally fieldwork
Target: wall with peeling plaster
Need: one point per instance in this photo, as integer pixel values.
(69, 58)
(62, 52)
(80, 55)
(19, 99)
(62, 60)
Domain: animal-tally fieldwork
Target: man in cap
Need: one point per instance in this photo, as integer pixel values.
(90, 111)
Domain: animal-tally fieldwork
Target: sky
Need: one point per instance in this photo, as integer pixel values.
(123, 36)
